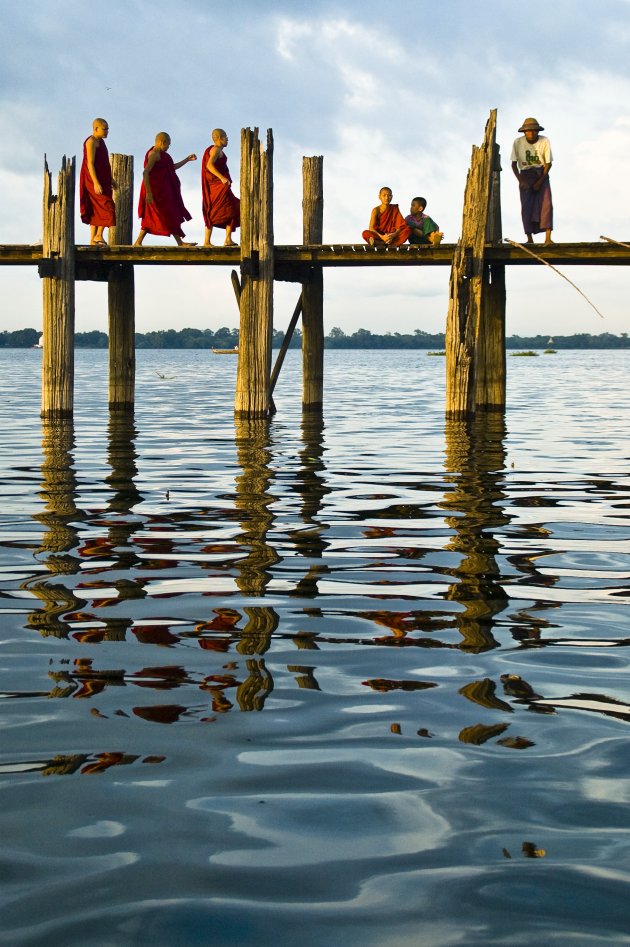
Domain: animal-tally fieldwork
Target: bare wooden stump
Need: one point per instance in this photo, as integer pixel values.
(313, 290)
(475, 328)
(253, 397)
(121, 292)
(57, 272)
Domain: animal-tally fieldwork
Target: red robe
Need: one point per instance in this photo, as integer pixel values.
(166, 214)
(386, 222)
(96, 209)
(221, 208)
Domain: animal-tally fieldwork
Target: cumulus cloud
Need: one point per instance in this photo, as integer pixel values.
(397, 98)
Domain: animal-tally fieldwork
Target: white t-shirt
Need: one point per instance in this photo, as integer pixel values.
(531, 155)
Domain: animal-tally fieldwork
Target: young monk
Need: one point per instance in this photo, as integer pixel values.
(95, 184)
(423, 228)
(221, 208)
(161, 207)
(387, 224)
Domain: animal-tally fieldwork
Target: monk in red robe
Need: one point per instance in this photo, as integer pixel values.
(161, 207)
(221, 208)
(95, 184)
(387, 224)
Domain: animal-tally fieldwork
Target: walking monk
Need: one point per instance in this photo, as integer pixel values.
(95, 184)
(161, 207)
(387, 224)
(221, 208)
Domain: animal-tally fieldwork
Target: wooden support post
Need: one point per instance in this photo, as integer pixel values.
(253, 398)
(313, 290)
(57, 271)
(475, 327)
(236, 286)
(286, 342)
(490, 374)
(121, 293)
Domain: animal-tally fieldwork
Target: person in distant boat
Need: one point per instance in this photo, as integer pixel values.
(387, 224)
(423, 228)
(221, 208)
(531, 161)
(161, 207)
(96, 185)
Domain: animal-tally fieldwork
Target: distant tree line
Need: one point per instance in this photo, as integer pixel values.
(336, 339)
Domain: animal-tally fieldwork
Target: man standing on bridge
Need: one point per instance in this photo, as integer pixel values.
(531, 161)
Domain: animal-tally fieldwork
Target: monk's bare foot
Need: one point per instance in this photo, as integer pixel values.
(230, 243)
(138, 243)
(209, 244)
(182, 243)
(547, 242)
(371, 241)
(98, 243)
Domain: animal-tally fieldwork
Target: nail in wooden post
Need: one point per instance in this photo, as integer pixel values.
(57, 271)
(121, 293)
(253, 398)
(313, 290)
(475, 368)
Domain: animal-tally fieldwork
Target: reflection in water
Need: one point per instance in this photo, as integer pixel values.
(60, 538)
(253, 501)
(475, 461)
(312, 486)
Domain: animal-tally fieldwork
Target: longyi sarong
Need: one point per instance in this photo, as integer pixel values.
(536, 206)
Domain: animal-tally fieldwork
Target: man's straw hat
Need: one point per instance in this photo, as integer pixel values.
(531, 124)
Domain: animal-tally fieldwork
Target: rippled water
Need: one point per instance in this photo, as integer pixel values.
(359, 680)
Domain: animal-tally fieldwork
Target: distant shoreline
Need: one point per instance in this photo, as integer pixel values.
(206, 339)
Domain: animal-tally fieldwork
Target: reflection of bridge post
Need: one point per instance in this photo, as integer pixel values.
(121, 457)
(475, 456)
(58, 491)
(312, 486)
(253, 501)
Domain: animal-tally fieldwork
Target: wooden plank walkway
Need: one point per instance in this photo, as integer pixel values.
(287, 257)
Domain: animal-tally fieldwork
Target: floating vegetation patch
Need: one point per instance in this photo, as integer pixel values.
(436, 353)
(550, 352)
(529, 354)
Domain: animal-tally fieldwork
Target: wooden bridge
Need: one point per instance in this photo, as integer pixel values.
(475, 328)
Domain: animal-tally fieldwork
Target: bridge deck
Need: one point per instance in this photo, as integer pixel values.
(349, 255)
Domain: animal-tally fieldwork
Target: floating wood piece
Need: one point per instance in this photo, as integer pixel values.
(121, 293)
(57, 274)
(252, 398)
(313, 289)
(475, 328)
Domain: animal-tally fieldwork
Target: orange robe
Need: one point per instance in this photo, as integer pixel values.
(97, 209)
(386, 222)
(166, 214)
(221, 208)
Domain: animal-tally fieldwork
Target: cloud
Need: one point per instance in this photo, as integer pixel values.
(394, 94)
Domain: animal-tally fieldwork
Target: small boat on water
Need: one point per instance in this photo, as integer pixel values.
(233, 351)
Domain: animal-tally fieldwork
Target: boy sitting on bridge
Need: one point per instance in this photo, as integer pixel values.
(387, 224)
(423, 228)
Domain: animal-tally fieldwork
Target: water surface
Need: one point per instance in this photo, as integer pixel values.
(357, 679)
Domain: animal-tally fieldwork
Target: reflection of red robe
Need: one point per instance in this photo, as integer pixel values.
(167, 212)
(220, 206)
(386, 222)
(97, 209)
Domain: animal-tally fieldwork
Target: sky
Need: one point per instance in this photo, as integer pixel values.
(391, 93)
